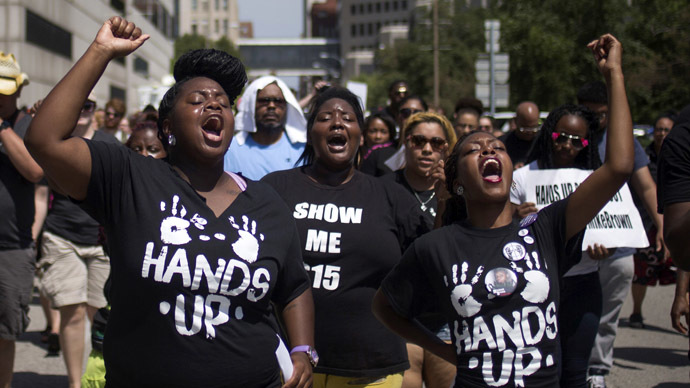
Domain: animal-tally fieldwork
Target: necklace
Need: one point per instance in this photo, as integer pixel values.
(423, 203)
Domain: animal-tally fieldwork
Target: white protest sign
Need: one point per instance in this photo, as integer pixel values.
(618, 224)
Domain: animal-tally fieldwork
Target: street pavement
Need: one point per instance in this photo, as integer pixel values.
(655, 357)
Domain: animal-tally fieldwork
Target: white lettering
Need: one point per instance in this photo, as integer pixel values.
(334, 242)
(317, 240)
(551, 321)
(521, 370)
(514, 332)
(227, 278)
(259, 285)
(178, 265)
(223, 314)
(159, 263)
(527, 330)
(481, 333)
(204, 269)
(506, 369)
(331, 213)
(315, 212)
(300, 211)
(180, 316)
(350, 215)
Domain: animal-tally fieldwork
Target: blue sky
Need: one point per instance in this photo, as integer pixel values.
(273, 18)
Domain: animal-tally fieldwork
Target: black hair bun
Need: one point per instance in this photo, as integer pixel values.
(217, 65)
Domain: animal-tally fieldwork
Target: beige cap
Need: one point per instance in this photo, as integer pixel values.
(11, 76)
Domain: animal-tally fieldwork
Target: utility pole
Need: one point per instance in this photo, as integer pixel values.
(437, 98)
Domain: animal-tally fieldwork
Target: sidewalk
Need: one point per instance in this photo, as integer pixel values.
(655, 357)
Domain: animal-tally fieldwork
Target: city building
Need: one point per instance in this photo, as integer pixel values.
(210, 18)
(49, 36)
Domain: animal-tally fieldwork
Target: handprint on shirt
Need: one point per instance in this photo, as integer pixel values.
(461, 296)
(174, 227)
(537, 288)
(247, 246)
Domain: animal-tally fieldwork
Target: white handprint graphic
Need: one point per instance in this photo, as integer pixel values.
(537, 288)
(247, 246)
(461, 296)
(174, 227)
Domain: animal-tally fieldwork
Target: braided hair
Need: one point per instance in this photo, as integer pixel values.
(217, 65)
(542, 148)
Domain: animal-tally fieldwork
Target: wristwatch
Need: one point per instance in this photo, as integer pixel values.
(311, 353)
(5, 124)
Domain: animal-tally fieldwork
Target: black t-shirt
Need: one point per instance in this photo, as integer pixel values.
(673, 176)
(517, 149)
(67, 220)
(375, 163)
(16, 198)
(507, 340)
(191, 292)
(427, 201)
(351, 236)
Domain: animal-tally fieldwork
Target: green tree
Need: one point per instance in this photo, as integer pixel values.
(226, 45)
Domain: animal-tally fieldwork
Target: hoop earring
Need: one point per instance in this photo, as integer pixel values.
(172, 140)
(460, 190)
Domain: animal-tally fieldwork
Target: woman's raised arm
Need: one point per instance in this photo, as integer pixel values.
(66, 161)
(591, 196)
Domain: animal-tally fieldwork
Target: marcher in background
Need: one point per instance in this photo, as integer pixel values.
(466, 116)
(18, 173)
(385, 160)
(144, 141)
(115, 112)
(426, 138)
(673, 178)
(652, 266)
(616, 272)
(567, 140)
(74, 266)
(379, 132)
(519, 142)
(486, 124)
(270, 130)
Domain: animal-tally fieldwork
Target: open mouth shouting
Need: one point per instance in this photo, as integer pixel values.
(491, 170)
(337, 142)
(213, 126)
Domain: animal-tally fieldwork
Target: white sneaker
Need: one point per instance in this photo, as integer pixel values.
(596, 381)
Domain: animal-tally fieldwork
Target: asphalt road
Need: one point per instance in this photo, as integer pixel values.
(654, 357)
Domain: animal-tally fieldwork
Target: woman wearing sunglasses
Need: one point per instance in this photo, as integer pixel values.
(567, 140)
(388, 159)
(426, 137)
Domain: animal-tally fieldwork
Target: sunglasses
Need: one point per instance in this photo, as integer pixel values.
(407, 112)
(113, 114)
(89, 106)
(269, 100)
(576, 142)
(419, 141)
